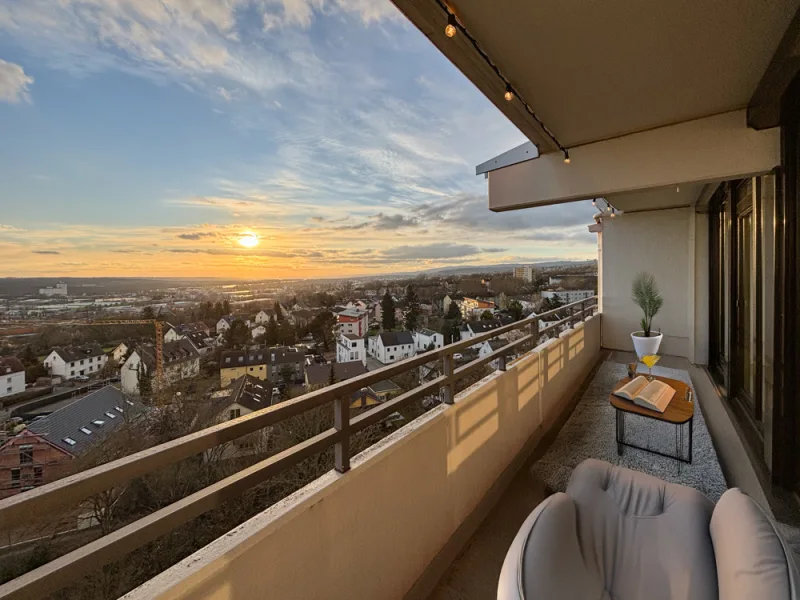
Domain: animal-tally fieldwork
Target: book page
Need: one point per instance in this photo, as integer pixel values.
(631, 389)
(651, 391)
(656, 394)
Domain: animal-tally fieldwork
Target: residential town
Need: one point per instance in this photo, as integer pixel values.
(78, 382)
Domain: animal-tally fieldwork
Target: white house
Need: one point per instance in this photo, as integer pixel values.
(73, 361)
(358, 305)
(224, 323)
(392, 346)
(257, 331)
(12, 376)
(181, 361)
(264, 316)
(118, 353)
(473, 328)
(172, 335)
(425, 339)
(567, 296)
(490, 346)
(350, 348)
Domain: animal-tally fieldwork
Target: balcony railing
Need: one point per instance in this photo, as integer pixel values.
(70, 491)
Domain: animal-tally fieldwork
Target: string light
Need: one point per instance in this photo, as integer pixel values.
(450, 30)
(613, 212)
(453, 26)
(594, 201)
(677, 188)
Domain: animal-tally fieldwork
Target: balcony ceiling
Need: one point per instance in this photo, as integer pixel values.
(596, 70)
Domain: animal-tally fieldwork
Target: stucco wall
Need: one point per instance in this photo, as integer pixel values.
(715, 148)
(371, 532)
(657, 242)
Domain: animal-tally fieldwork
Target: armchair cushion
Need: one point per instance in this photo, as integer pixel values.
(645, 537)
(752, 559)
(545, 560)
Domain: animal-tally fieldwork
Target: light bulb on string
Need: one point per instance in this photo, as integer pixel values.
(450, 31)
(509, 95)
(566, 157)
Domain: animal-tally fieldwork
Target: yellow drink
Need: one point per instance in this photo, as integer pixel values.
(650, 360)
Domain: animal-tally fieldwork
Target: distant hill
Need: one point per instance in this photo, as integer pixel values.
(466, 270)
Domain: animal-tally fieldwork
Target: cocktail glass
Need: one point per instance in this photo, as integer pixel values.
(650, 361)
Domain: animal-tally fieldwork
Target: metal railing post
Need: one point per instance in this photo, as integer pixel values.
(501, 363)
(341, 422)
(448, 390)
(583, 310)
(535, 331)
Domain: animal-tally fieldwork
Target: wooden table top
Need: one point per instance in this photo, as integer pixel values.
(678, 411)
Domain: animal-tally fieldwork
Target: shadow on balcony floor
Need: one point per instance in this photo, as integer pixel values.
(588, 431)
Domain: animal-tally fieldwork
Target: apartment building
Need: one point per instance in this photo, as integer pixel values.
(392, 346)
(181, 360)
(353, 321)
(350, 348)
(568, 296)
(73, 361)
(524, 272)
(263, 363)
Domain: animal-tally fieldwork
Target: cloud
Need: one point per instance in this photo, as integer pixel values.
(470, 212)
(430, 251)
(10, 229)
(394, 221)
(14, 83)
(286, 13)
(197, 235)
(45, 252)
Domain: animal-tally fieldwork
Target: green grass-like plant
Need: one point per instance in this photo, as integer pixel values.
(648, 298)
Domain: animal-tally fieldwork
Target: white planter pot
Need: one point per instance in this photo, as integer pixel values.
(646, 345)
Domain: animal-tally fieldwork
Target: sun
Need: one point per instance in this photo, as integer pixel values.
(248, 240)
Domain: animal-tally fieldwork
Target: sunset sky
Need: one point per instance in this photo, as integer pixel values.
(151, 137)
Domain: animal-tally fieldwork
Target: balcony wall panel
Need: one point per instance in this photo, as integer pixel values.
(371, 532)
(659, 243)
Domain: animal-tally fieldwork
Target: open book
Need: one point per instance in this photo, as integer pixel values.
(655, 395)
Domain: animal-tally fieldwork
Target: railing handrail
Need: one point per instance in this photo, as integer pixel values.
(75, 488)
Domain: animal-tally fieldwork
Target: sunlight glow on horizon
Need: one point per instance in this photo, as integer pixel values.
(248, 239)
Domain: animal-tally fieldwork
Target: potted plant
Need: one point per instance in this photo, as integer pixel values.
(648, 298)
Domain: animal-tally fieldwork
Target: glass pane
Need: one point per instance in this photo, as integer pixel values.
(747, 303)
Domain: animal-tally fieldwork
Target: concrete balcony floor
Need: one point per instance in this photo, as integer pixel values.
(475, 571)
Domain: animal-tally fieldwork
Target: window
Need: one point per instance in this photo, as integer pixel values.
(86, 430)
(8, 390)
(118, 409)
(70, 441)
(111, 415)
(234, 413)
(25, 454)
(8, 380)
(37, 474)
(353, 345)
(72, 372)
(15, 476)
(98, 423)
(81, 361)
